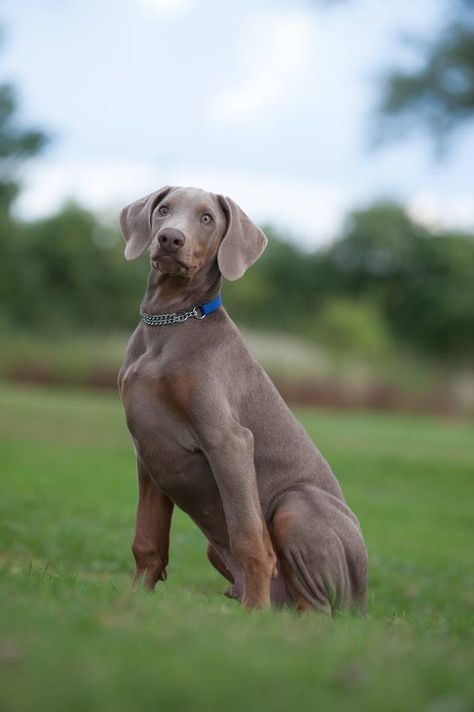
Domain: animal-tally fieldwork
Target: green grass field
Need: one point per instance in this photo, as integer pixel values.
(73, 636)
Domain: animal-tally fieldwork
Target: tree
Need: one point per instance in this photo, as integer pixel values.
(439, 93)
(420, 281)
(16, 145)
(68, 273)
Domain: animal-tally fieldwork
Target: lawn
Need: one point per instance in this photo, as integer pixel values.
(73, 636)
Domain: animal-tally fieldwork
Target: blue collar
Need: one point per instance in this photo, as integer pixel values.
(200, 311)
(211, 306)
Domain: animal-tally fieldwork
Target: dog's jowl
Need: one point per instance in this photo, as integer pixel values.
(212, 434)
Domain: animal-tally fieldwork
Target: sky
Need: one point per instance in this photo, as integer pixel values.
(268, 101)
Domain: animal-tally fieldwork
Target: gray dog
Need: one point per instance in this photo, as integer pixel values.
(212, 434)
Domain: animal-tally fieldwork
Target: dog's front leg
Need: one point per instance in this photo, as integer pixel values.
(230, 454)
(152, 531)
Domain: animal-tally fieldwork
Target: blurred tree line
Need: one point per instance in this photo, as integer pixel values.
(386, 281)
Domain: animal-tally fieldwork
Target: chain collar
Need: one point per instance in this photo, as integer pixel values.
(200, 311)
(174, 318)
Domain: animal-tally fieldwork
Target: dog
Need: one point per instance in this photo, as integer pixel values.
(212, 434)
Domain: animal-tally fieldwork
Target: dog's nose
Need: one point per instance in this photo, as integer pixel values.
(171, 239)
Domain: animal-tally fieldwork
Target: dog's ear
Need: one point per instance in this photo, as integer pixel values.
(135, 222)
(242, 244)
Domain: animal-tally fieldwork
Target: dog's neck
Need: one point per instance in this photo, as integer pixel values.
(168, 293)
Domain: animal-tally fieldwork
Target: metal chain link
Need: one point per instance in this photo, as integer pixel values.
(174, 318)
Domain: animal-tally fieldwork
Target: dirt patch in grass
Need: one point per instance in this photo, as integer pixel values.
(307, 391)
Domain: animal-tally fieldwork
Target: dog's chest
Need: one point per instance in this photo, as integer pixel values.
(150, 412)
(161, 433)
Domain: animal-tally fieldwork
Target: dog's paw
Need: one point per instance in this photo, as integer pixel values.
(150, 573)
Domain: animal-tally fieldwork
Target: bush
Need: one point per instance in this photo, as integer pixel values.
(353, 327)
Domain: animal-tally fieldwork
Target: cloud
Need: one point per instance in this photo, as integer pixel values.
(99, 185)
(440, 211)
(309, 211)
(274, 53)
(166, 8)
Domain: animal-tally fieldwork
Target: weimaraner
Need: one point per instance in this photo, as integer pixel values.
(211, 432)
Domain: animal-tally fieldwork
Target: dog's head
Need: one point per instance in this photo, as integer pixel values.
(188, 229)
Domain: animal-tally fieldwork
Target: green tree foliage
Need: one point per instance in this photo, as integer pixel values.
(438, 94)
(69, 271)
(16, 145)
(421, 281)
(353, 326)
(386, 279)
(279, 290)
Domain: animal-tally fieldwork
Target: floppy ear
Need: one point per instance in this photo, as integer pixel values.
(242, 244)
(135, 222)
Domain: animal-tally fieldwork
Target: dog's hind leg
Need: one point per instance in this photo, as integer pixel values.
(322, 554)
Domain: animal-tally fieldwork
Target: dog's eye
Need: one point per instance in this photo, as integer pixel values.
(206, 219)
(164, 210)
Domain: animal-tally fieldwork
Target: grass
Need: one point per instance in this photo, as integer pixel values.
(73, 636)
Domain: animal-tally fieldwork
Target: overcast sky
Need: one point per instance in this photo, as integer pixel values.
(269, 102)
